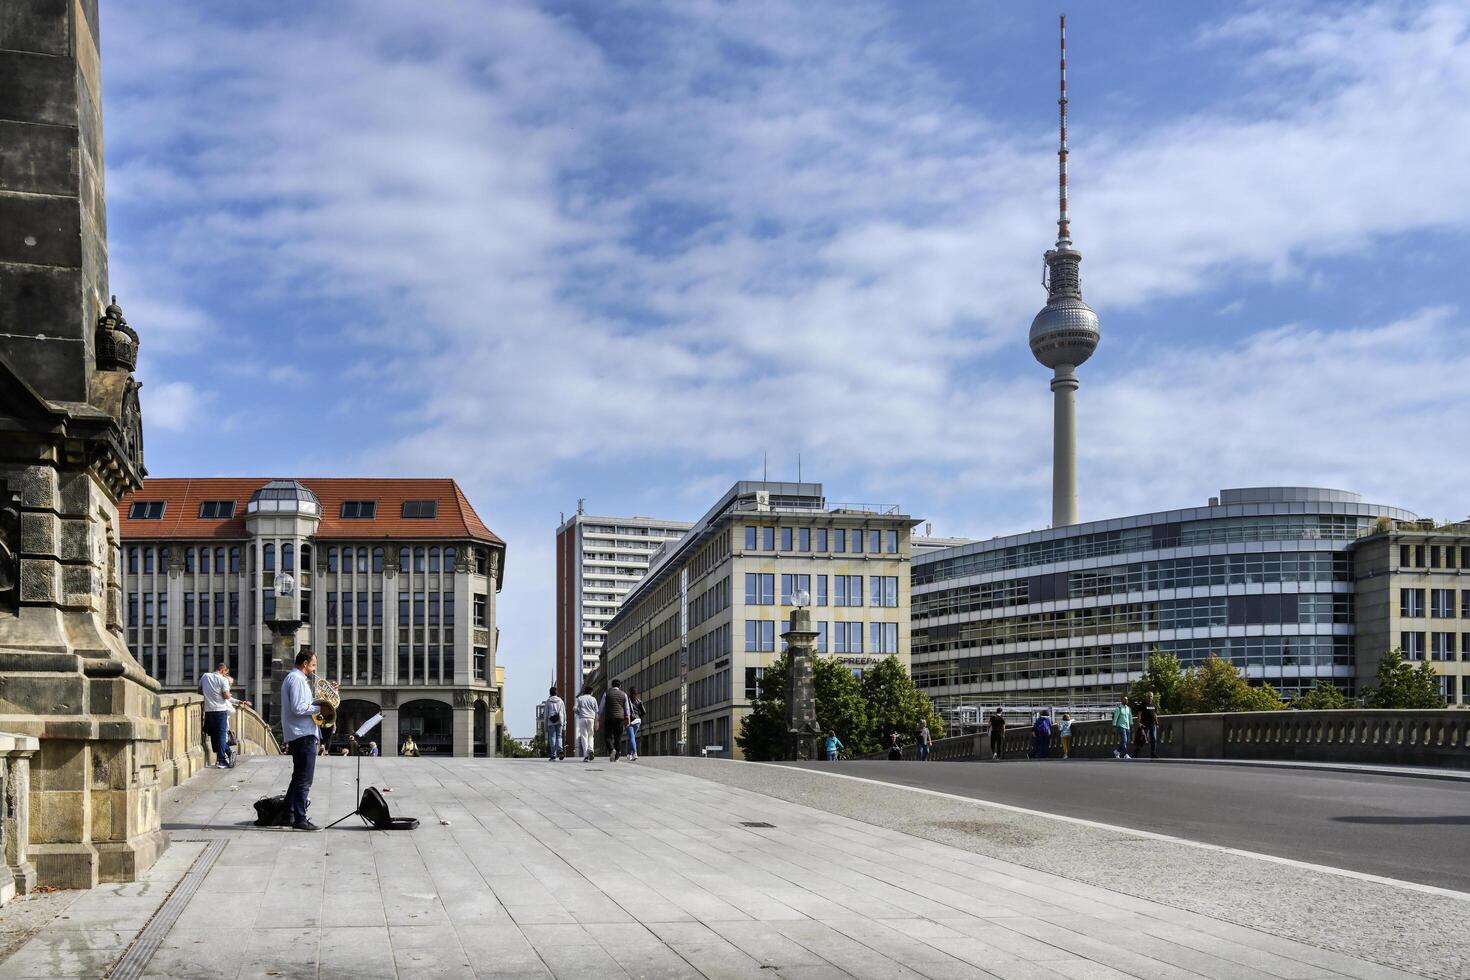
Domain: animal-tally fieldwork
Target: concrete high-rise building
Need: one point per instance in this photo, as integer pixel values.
(598, 559)
(696, 635)
(396, 581)
(1064, 334)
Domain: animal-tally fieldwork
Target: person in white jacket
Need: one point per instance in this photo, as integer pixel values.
(555, 717)
(215, 686)
(586, 713)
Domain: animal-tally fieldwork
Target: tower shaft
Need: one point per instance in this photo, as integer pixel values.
(1064, 447)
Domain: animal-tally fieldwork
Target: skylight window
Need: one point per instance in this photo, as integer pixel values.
(146, 510)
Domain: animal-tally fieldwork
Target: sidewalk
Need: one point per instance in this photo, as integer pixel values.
(533, 869)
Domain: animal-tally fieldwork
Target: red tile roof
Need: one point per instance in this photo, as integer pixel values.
(183, 495)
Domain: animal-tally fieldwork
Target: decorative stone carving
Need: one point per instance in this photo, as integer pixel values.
(464, 560)
(9, 551)
(390, 566)
(492, 700)
(463, 699)
(117, 343)
(131, 424)
(390, 699)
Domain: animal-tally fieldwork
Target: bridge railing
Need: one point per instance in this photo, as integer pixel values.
(184, 750)
(1430, 737)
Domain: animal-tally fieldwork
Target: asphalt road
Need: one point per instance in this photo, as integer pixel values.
(1400, 827)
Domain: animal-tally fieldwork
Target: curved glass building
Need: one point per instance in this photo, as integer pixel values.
(1262, 576)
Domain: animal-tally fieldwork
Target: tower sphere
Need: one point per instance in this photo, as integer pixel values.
(1064, 332)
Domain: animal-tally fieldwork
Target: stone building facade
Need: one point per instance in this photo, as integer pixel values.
(696, 634)
(396, 589)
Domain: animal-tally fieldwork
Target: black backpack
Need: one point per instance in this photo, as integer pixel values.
(271, 811)
(374, 809)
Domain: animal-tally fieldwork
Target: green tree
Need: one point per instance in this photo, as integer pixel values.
(840, 709)
(1216, 685)
(1326, 696)
(1402, 685)
(895, 705)
(1164, 678)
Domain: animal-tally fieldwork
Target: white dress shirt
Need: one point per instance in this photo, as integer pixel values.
(216, 690)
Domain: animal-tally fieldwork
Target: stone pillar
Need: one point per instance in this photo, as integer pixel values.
(464, 725)
(388, 743)
(18, 876)
(801, 703)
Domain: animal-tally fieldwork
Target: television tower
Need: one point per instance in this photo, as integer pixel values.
(1064, 333)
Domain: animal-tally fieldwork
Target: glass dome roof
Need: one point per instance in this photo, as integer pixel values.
(284, 496)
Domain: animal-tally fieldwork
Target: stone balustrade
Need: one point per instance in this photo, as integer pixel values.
(1431, 737)
(184, 751)
(17, 875)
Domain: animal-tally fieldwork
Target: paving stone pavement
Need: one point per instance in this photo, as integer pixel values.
(533, 869)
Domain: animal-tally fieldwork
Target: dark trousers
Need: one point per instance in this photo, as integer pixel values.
(303, 771)
(1043, 745)
(217, 727)
(1153, 740)
(612, 731)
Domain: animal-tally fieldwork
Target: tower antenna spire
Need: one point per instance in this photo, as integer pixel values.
(1064, 224)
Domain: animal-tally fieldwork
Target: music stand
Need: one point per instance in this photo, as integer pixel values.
(366, 727)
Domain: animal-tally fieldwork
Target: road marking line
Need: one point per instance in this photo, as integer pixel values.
(1151, 835)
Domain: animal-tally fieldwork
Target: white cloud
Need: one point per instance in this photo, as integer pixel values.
(173, 406)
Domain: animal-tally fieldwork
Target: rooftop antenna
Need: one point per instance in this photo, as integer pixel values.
(581, 505)
(1064, 224)
(763, 466)
(798, 467)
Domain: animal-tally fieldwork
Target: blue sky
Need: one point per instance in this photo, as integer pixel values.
(619, 250)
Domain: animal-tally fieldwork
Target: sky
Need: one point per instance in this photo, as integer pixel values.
(632, 252)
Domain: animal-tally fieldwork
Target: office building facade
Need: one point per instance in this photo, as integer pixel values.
(598, 559)
(697, 633)
(396, 586)
(1276, 579)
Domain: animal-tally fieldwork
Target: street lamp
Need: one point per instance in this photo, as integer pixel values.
(803, 599)
(285, 584)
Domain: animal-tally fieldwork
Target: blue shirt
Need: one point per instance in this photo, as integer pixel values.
(296, 707)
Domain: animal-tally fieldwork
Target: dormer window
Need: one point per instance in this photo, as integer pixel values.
(146, 510)
(359, 510)
(216, 510)
(420, 509)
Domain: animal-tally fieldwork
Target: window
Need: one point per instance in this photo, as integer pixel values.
(760, 636)
(234, 559)
(235, 609)
(821, 590)
(449, 559)
(188, 609)
(148, 609)
(360, 510)
(875, 542)
(378, 559)
(269, 563)
(480, 604)
(760, 590)
(793, 584)
(481, 654)
(147, 561)
(1418, 556)
(1404, 561)
(146, 510)
(839, 540)
(849, 638)
(133, 609)
(331, 609)
(804, 539)
(133, 561)
(418, 559)
(821, 637)
(1465, 603)
(1441, 646)
(753, 677)
(269, 604)
(768, 539)
(883, 637)
(1411, 603)
(1434, 556)
(750, 537)
(204, 609)
(433, 559)
(821, 539)
(331, 559)
(204, 562)
(288, 557)
(216, 510)
(848, 590)
(890, 542)
(786, 539)
(189, 559)
(1412, 645)
(377, 609)
(421, 510)
(1442, 603)
(883, 591)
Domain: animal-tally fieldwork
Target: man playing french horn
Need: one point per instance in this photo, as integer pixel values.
(299, 711)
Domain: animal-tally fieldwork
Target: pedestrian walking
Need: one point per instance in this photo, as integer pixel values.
(997, 734)
(1149, 716)
(1065, 731)
(614, 710)
(586, 713)
(1122, 724)
(924, 743)
(895, 747)
(554, 713)
(215, 686)
(1041, 736)
(831, 746)
(635, 723)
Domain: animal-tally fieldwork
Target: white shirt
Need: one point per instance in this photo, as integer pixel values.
(216, 690)
(586, 707)
(554, 706)
(296, 707)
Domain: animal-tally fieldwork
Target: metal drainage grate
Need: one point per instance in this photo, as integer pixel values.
(131, 966)
(757, 823)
